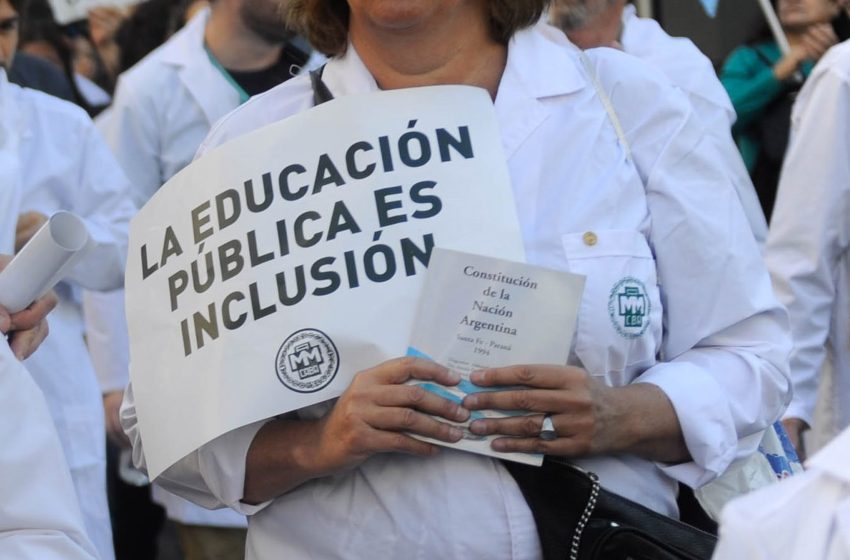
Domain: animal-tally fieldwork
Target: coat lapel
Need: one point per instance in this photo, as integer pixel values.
(204, 82)
(527, 81)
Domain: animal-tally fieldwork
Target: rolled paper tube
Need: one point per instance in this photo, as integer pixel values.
(43, 261)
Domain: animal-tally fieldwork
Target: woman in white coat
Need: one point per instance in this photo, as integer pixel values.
(342, 480)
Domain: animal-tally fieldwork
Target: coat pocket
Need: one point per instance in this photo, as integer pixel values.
(619, 328)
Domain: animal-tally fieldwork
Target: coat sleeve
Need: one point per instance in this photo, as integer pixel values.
(107, 338)
(725, 345)
(130, 128)
(810, 231)
(101, 197)
(213, 476)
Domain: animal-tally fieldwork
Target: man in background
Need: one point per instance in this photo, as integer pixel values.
(613, 23)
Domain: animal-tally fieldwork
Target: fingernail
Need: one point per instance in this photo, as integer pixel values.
(454, 377)
(461, 414)
(478, 427)
(498, 445)
(456, 434)
(477, 376)
(471, 401)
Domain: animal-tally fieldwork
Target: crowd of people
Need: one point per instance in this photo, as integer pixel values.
(719, 197)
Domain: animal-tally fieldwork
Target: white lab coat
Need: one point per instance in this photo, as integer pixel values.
(807, 248)
(163, 108)
(692, 72)
(39, 514)
(66, 166)
(805, 517)
(673, 222)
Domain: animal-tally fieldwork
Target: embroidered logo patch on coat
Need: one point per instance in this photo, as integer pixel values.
(629, 307)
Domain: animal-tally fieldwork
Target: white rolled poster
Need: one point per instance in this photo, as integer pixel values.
(43, 261)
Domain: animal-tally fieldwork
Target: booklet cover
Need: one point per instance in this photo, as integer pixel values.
(479, 312)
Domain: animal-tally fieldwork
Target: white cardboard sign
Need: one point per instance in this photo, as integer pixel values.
(263, 276)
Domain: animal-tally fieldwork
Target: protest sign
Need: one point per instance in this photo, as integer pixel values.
(265, 275)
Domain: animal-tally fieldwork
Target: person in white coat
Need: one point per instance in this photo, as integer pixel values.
(614, 23)
(805, 517)
(164, 107)
(341, 480)
(809, 237)
(64, 165)
(40, 517)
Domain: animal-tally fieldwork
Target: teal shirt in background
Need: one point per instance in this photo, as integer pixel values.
(748, 78)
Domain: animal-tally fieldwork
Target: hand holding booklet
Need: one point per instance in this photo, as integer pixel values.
(478, 312)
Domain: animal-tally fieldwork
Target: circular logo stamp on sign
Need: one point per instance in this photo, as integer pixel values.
(629, 307)
(307, 361)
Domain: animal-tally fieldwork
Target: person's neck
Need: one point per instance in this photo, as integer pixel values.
(236, 47)
(457, 51)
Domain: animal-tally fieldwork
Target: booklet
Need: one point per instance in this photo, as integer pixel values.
(479, 312)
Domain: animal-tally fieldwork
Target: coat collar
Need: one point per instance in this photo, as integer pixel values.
(541, 63)
(204, 82)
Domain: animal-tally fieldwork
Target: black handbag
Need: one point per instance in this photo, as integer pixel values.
(579, 520)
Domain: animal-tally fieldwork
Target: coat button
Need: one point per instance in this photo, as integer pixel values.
(590, 239)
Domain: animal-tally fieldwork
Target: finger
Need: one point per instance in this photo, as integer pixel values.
(35, 313)
(23, 237)
(540, 376)
(419, 397)
(402, 443)
(517, 426)
(565, 425)
(533, 400)
(24, 343)
(400, 370)
(824, 36)
(409, 420)
(562, 446)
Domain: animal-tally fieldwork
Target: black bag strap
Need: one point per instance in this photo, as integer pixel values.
(321, 93)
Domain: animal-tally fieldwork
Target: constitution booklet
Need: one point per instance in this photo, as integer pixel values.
(478, 312)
